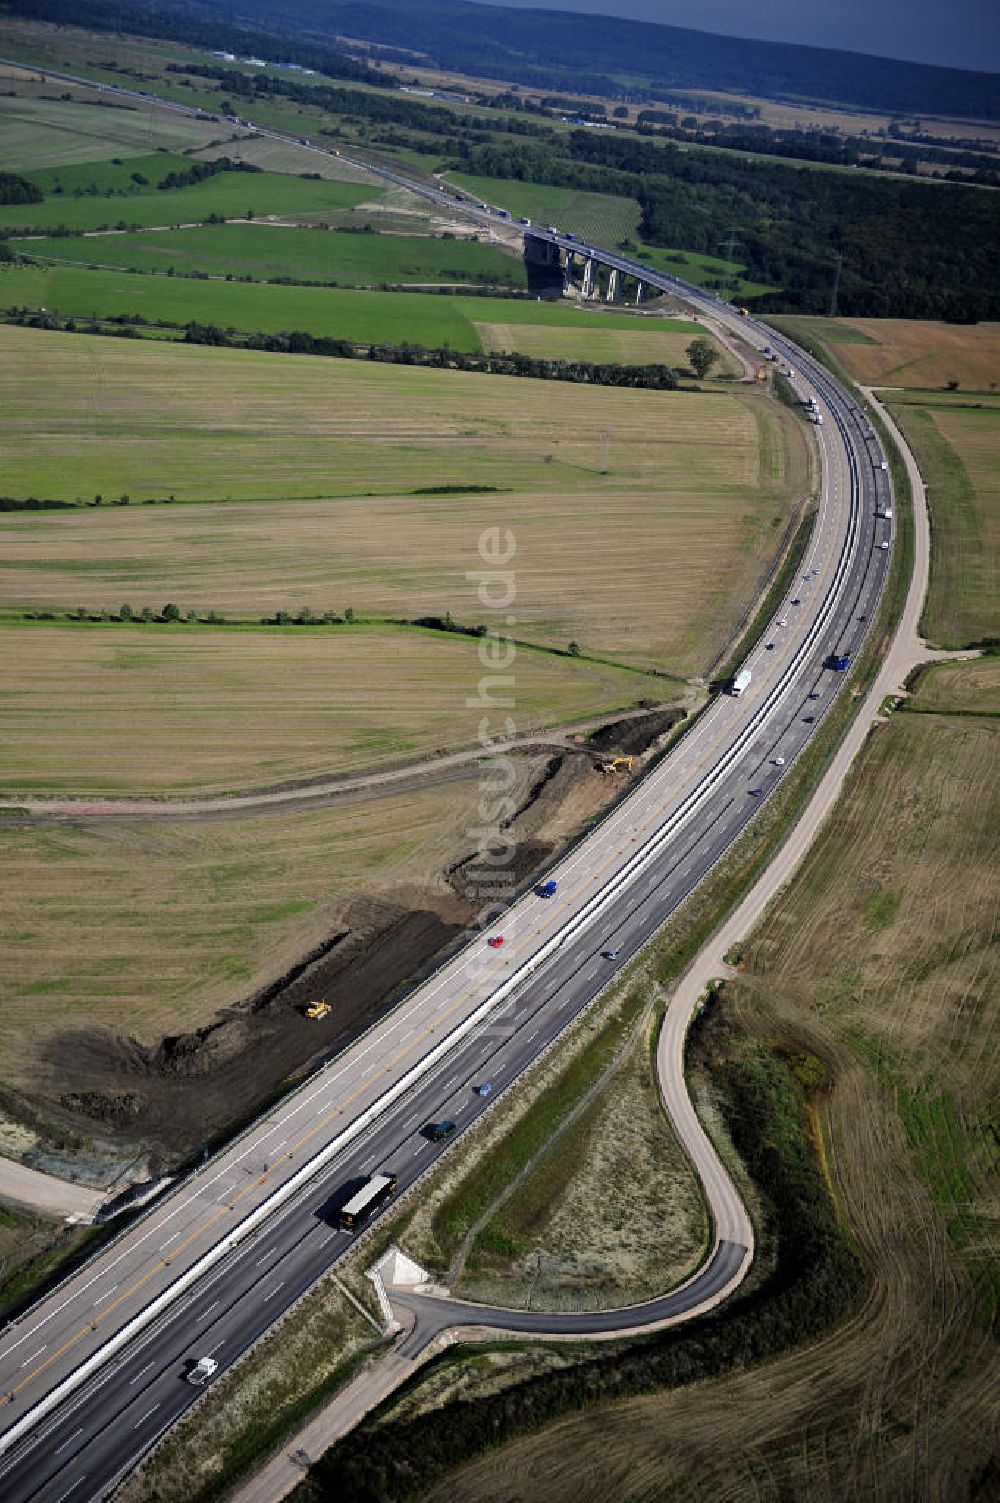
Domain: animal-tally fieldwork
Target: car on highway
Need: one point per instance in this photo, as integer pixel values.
(814, 694)
(796, 601)
(496, 942)
(783, 621)
(769, 647)
(486, 1089)
(611, 954)
(778, 761)
(201, 1370)
(438, 1131)
(884, 547)
(808, 719)
(547, 889)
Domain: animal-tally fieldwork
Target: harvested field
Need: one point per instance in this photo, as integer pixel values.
(691, 508)
(881, 958)
(124, 940)
(645, 345)
(912, 352)
(957, 446)
(51, 132)
(288, 156)
(970, 688)
(153, 711)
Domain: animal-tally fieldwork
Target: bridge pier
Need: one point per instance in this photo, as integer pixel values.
(588, 277)
(613, 285)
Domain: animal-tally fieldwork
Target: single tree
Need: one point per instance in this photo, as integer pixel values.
(702, 356)
(171, 612)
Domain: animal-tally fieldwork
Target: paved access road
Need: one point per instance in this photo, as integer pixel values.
(94, 1373)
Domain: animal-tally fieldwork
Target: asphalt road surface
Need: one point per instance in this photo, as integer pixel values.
(95, 1372)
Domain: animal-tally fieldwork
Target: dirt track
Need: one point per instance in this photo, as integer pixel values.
(618, 732)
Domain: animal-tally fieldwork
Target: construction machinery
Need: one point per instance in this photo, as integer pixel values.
(617, 764)
(318, 1009)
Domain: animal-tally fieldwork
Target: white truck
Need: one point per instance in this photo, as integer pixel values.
(203, 1369)
(740, 682)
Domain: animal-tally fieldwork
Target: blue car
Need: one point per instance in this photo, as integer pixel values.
(486, 1089)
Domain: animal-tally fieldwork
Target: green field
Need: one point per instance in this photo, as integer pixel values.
(103, 179)
(363, 317)
(265, 252)
(957, 446)
(233, 195)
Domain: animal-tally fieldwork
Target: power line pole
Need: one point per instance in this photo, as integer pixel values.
(606, 449)
(730, 244)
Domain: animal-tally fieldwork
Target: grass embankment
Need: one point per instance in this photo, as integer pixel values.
(313, 1353)
(268, 252)
(609, 1214)
(32, 1248)
(688, 510)
(153, 712)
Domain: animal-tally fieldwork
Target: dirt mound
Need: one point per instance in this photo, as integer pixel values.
(181, 1092)
(634, 736)
(174, 1095)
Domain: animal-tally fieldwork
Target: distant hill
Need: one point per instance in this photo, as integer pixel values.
(559, 49)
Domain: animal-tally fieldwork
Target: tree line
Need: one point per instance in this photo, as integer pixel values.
(582, 372)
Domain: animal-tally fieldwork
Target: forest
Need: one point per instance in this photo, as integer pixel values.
(907, 249)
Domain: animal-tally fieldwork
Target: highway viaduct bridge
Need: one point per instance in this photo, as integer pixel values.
(566, 255)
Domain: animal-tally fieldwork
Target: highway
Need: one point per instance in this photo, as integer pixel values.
(95, 1372)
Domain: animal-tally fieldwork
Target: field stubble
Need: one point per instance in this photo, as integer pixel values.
(695, 496)
(157, 711)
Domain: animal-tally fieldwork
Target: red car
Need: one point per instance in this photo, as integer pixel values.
(495, 942)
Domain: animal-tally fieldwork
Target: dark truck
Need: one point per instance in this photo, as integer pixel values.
(546, 889)
(366, 1201)
(839, 661)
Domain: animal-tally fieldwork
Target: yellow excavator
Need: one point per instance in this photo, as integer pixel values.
(618, 764)
(318, 1009)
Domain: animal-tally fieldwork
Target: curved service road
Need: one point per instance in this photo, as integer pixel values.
(94, 1372)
